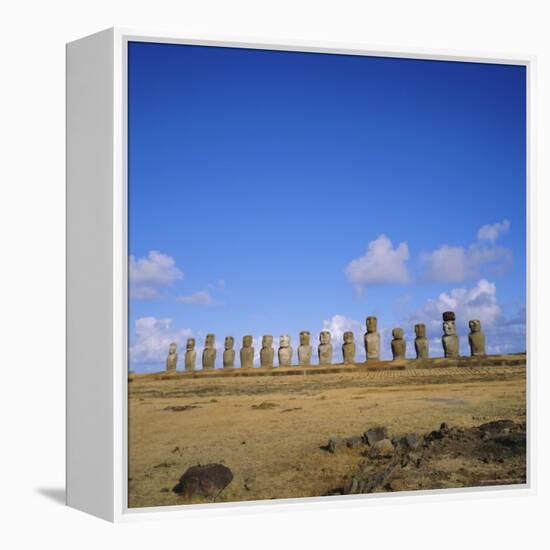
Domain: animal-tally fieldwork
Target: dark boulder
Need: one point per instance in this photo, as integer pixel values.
(515, 442)
(375, 434)
(204, 481)
(382, 448)
(335, 444)
(497, 426)
(409, 442)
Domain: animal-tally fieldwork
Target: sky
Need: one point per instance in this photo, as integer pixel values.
(272, 192)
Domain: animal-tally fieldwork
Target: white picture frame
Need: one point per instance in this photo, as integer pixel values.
(97, 277)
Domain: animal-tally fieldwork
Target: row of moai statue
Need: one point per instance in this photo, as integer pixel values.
(450, 343)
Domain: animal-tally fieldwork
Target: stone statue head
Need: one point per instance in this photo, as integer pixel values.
(449, 328)
(475, 325)
(247, 341)
(229, 342)
(397, 333)
(210, 341)
(420, 330)
(449, 316)
(284, 341)
(267, 341)
(305, 338)
(190, 346)
(348, 337)
(173, 348)
(372, 324)
(324, 337)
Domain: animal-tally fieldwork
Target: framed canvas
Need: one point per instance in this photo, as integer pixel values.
(297, 275)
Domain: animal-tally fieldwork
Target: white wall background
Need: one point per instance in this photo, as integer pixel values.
(32, 275)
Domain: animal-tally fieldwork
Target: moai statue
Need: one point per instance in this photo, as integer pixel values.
(476, 338)
(348, 347)
(304, 349)
(450, 339)
(325, 348)
(247, 353)
(398, 344)
(267, 353)
(285, 351)
(421, 344)
(229, 353)
(209, 352)
(372, 339)
(190, 354)
(172, 359)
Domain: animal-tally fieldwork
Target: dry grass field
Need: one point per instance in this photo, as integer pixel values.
(270, 430)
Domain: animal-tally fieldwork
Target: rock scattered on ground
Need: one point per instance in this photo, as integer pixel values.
(336, 444)
(178, 408)
(373, 435)
(497, 426)
(164, 464)
(248, 483)
(383, 447)
(413, 461)
(264, 405)
(354, 442)
(409, 441)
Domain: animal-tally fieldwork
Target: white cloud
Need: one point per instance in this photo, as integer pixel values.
(200, 298)
(508, 336)
(152, 338)
(447, 263)
(381, 264)
(384, 264)
(143, 292)
(478, 302)
(257, 345)
(337, 325)
(147, 274)
(453, 264)
(496, 257)
(156, 269)
(492, 232)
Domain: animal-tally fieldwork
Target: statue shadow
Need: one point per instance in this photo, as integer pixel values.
(55, 494)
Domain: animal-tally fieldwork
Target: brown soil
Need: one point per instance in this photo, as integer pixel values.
(270, 431)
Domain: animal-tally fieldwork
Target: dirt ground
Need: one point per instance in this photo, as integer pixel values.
(270, 431)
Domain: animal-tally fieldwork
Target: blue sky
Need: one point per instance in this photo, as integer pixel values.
(272, 192)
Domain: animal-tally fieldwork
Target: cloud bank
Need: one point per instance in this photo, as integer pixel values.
(148, 274)
(504, 335)
(491, 233)
(151, 339)
(455, 264)
(200, 298)
(384, 264)
(381, 264)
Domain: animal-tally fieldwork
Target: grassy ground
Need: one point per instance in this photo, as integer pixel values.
(268, 430)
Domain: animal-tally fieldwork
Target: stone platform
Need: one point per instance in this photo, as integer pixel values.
(512, 360)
